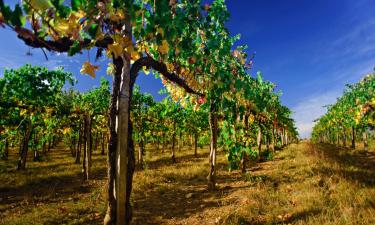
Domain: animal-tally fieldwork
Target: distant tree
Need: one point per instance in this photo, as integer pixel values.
(28, 93)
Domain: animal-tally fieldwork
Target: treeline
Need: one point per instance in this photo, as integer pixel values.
(38, 114)
(187, 44)
(352, 118)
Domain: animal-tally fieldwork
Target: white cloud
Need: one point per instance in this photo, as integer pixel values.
(312, 106)
(16, 61)
(356, 43)
(310, 109)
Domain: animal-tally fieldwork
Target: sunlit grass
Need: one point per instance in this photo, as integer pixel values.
(305, 184)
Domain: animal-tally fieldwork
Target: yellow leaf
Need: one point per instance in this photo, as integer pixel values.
(145, 70)
(23, 112)
(66, 130)
(88, 68)
(164, 47)
(111, 69)
(114, 14)
(69, 27)
(133, 53)
(160, 31)
(116, 49)
(40, 4)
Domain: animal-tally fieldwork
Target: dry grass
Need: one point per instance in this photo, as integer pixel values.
(311, 184)
(305, 184)
(51, 191)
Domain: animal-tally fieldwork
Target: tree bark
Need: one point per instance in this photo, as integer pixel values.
(36, 155)
(173, 157)
(164, 143)
(273, 140)
(140, 153)
(96, 141)
(344, 139)
(110, 218)
(79, 145)
(212, 158)
(87, 143)
(25, 146)
(123, 118)
(103, 143)
(353, 137)
(90, 143)
(244, 155)
(365, 140)
(243, 162)
(120, 162)
(286, 137)
(84, 160)
(6, 149)
(72, 146)
(49, 144)
(44, 146)
(180, 141)
(259, 142)
(195, 144)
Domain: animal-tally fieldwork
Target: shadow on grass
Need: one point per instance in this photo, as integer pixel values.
(354, 165)
(50, 189)
(167, 161)
(302, 216)
(181, 198)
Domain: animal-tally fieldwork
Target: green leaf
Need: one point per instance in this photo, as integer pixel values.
(76, 4)
(75, 48)
(6, 11)
(115, 3)
(17, 17)
(259, 77)
(93, 30)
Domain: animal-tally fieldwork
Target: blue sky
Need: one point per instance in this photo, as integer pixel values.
(310, 49)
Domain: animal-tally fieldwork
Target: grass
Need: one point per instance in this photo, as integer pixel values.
(311, 184)
(304, 184)
(51, 191)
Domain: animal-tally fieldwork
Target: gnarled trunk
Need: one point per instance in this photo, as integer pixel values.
(273, 140)
(259, 142)
(164, 146)
(103, 143)
(79, 145)
(121, 149)
(353, 137)
(344, 139)
(140, 153)
(24, 147)
(72, 146)
(365, 140)
(173, 157)
(212, 158)
(243, 162)
(6, 149)
(87, 143)
(195, 144)
(180, 141)
(244, 155)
